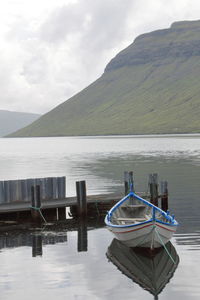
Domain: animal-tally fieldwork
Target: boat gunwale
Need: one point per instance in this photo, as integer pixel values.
(172, 221)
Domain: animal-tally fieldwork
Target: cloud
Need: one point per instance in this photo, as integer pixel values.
(52, 50)
(64, 22)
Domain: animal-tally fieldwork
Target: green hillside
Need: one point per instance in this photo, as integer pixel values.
(150, 87)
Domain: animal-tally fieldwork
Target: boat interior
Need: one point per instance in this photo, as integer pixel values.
(134, 211)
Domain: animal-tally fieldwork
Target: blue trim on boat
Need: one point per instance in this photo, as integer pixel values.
(171, 219)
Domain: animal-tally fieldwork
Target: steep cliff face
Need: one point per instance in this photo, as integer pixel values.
(152, 86)
(182, 40)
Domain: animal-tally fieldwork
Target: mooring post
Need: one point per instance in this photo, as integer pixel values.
(81, 198)
(164, 195)
(153, 186)
(35, 203)
(128, 181)
(18, 196)
(12, 188)
(61, 187)
(6, 191)
(131, 184)
(2, 194)
(24, 190)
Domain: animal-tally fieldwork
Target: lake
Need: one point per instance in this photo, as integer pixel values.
(49, 264)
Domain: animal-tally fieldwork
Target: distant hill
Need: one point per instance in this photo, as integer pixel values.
(152, 86)
(11, 121)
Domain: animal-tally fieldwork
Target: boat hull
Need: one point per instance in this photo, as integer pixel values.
(149, 235)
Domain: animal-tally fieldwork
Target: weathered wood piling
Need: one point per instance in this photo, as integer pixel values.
(128, 182)
(81, 198)
(164, 195)
(35, 203)
(153, 187)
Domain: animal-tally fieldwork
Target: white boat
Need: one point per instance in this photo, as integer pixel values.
(139, 223)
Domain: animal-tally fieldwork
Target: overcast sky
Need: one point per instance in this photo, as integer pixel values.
(52, 49)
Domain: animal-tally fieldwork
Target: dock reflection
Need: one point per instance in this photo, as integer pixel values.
(151, 271)
(36, 240)
(49, 235)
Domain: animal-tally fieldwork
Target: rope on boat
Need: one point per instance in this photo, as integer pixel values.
(164, 246)
(145, 237)
(142, 242)
(41, 214)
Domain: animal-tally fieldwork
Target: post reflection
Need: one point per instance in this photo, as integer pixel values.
(152, 271)
(36, 245)
(82, 244)
(40, 239)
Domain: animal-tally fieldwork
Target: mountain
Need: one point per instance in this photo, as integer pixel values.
(152, 86)
(11, 121)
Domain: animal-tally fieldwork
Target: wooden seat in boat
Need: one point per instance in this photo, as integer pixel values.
(134, 206)
(131, 220)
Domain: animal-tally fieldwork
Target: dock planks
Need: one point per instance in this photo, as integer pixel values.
(57, 203)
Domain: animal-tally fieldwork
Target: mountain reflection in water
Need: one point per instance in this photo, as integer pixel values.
(152, 272)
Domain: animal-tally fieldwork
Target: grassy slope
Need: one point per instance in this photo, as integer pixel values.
(160, 96)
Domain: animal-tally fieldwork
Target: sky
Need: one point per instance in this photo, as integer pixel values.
(52, 49)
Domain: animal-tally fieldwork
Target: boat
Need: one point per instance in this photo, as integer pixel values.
(151, 272)
(139, 223)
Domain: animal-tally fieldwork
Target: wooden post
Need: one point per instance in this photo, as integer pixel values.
(43, 188)
(24, 191)
(128, 182)
(13, 190)
(55, 187)
(153, 186)
(30, 182)
(61, 187)
(82, 235)
(131, 184)
(126, 185)
(2, 195)
(81, 198)
(7, 191)
(49, 187)
(18, 196)
(164, 195)
(35, 203)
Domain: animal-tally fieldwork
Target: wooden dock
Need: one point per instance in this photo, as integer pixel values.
(43, 199)
(55, 209)
(59, 203)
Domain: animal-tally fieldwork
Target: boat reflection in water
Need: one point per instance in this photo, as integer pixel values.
(152, 271)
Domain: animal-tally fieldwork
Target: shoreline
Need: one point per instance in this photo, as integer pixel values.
(155, 135)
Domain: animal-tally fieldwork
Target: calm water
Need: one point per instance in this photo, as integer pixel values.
(56, 268)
